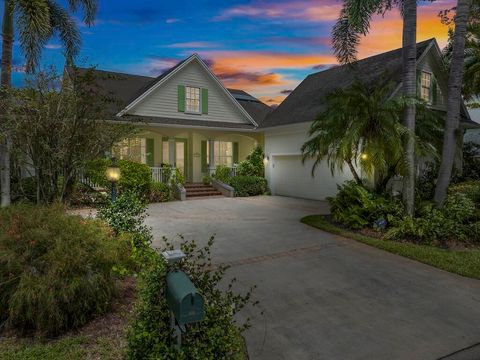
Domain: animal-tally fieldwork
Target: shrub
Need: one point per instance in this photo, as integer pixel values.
(177, 178)
(246, 168)
(216, 337)
(206, 180)
(126, 214)
(83, 195)
(253, 164)
(134, 177)
(248, 185)
(56, 270)
(438, 225)
(159, 192)
(222, 174)
(357, 207)
(469, 188)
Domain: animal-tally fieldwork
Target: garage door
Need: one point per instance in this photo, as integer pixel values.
(290, 177)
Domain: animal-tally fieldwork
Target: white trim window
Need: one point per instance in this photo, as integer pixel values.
(134, 149)
(222, 153)
(426, 87)
(192, 99)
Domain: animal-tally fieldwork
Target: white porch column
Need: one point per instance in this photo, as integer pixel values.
(171, 151)
(211, 156)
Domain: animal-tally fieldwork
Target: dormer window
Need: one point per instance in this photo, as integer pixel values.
(192, 99)
(426, 87)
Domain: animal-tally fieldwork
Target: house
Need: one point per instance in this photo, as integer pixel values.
(190, 120)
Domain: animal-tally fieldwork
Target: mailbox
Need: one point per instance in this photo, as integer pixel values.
(183, 299)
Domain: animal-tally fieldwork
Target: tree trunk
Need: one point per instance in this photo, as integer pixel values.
(409, 79)
(354, 172)
(454, 102)
(6, 83)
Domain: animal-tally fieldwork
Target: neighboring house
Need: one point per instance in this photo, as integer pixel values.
(473, 135)
(190, 120)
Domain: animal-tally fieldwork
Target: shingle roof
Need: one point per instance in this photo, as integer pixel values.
(304, 103)
(158, 120)
(124, 88)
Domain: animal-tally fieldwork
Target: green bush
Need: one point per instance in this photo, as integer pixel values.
(159, 192)
(248, 185)
(357, 207)
(216, 337)
(452, 222)
(222, 174)
(83, 195)
(206, 180)
(134, 176)
(469, 188)
(246, 168)
(177, 178)
(56, 270)
(253, 165)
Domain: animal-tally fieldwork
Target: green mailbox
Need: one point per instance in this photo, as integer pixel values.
(183, 299)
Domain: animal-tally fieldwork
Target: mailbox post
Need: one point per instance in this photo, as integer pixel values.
(185, 302)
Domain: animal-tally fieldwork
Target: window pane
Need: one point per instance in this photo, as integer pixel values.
(165, 152)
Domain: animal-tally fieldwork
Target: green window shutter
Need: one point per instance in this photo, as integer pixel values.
(150, 149)
(434, 90)
(235, 152)
(204, 101)
(181, 98)
(203, 155)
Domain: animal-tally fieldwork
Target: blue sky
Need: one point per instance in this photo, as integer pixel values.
(264, 47)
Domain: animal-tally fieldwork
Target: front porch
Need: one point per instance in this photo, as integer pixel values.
(195, 152)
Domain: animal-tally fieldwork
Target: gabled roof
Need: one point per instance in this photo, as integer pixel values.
(126, 88)
(305, 102)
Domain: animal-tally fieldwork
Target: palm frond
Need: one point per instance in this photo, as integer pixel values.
(63, 23)
(89, 7)
(34, 28)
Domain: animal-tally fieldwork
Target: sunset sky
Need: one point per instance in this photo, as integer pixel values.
(263, 47)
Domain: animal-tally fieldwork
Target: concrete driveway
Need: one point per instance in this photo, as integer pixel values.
(324, 296)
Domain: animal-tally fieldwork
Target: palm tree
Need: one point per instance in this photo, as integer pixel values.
(471, 77)
(355, 21)
(454, 101)
(353, 128)
(36, 22)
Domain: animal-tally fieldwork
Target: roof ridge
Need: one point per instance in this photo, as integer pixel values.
(109, 71)
(421, 43)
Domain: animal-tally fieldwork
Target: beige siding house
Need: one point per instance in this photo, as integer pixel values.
(188, 119)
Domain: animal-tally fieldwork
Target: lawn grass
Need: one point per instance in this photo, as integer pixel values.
(465, 262)
(68, 348)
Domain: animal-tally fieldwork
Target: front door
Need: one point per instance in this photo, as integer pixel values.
(181, 156)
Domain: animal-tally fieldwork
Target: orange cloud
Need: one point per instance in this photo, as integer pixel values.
(386, 32)
(272, 100)
(254, 61)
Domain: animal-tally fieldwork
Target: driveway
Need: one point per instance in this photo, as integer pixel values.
(324, 296)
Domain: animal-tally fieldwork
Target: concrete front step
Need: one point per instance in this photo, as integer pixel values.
(204, 194)
(201, 190)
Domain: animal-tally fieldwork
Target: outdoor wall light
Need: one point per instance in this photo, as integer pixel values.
(113, 175)
(266, 159)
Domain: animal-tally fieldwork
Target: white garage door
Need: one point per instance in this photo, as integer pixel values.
(290, 177)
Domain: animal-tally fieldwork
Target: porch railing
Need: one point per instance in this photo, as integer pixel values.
(159, 174)
(233, 170)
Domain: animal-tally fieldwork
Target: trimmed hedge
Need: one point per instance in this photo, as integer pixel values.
(248, 185)
(56, 270)
(135, 177)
